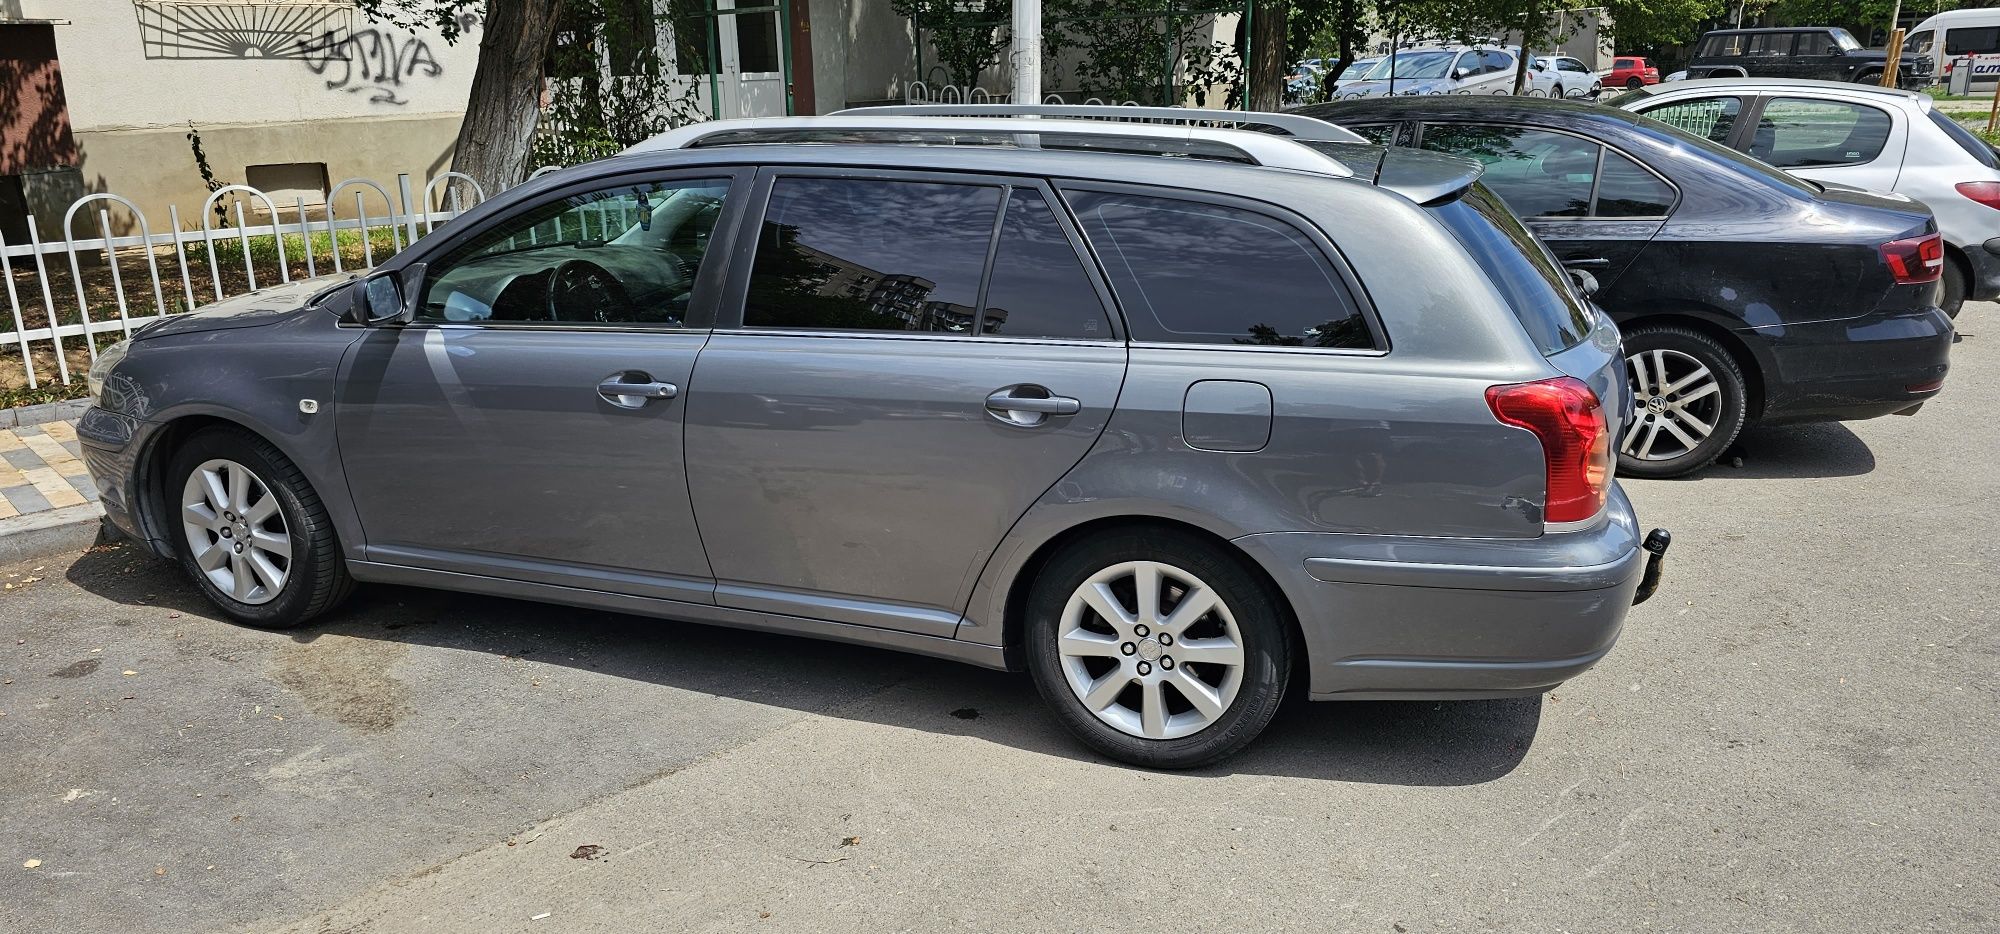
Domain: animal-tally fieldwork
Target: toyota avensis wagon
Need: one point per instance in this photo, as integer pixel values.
(1029, 394)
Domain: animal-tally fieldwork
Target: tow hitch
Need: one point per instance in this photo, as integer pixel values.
(1656, 542)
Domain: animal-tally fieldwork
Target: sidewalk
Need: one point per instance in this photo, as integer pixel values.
(47, 501)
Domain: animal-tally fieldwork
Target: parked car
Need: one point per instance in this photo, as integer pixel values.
(1745, 294)
(1354, 72)
(1572, 77)
(1940, 40)
(1451, 70)
(1161, 431)
(1822, 52)
(1864, 137)
(1675, 76)
(1629, 71)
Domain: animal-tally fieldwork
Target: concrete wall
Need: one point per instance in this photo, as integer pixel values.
(367, 99)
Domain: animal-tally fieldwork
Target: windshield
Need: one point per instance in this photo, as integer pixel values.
(1358, 70)
(1845, 40)
(1431, 64)
(1520, 267)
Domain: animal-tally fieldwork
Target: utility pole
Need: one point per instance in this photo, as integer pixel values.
(1027, 55)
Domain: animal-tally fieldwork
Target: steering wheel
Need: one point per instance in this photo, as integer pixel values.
(580, 290)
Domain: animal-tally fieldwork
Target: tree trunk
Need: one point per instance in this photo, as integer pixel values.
(506, 97)
(1268, 66)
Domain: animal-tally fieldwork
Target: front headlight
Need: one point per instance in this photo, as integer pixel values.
(107, 360)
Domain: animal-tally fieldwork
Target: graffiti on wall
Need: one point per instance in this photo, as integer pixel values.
(376, 62)
(236, 30)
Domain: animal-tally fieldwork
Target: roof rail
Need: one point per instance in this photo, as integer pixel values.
(1292, 125)
(1262, 149)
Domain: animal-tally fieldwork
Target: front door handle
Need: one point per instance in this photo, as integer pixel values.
(1587, 261)
(1028, 405)
(633, 390)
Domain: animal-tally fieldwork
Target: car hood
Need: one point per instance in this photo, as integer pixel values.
(249, 310)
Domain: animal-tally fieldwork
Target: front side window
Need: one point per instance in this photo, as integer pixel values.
(1537, 172)
(1814, 43)
(623, 255)
(1194, 272)
(1797, 132)
(1919, 43)
(869, 255)
(1570, 64)
(1844, 40)
(1712, 118)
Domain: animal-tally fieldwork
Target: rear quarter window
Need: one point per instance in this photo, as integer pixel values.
(1973, 145)
(1520, 267)
(1202, 273)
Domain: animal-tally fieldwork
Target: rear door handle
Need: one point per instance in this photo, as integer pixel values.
(632, 390)
(1028, 406)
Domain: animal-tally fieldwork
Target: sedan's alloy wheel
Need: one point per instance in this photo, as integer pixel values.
(1677, 403)
(1151, 650)
(236, 531)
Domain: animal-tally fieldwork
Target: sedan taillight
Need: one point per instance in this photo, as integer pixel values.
(1986, 193)
(1576, 441)
(1916, 260)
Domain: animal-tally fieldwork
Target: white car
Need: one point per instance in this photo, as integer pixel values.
(1448, 70)
(1572, 77)
(1860, 136)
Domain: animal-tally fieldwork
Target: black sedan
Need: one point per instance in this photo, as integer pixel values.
(1745, 294)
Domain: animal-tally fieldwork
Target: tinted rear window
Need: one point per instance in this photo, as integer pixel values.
(1536, 289)
(1973, 145)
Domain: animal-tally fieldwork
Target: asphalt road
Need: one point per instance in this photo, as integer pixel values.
(1798, 734)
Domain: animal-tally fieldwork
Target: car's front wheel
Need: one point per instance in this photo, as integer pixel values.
(254, 535)
(1157, 648)
(1688, 398)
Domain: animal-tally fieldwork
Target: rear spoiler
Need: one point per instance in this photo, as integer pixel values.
(1420, 175)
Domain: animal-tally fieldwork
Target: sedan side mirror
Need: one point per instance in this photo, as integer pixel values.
(387, 297)
(1585, 282)
(1461, 72)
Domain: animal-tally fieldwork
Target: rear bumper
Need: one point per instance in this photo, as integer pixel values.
(1388, 617)
(1855, 369)
(1984, 259)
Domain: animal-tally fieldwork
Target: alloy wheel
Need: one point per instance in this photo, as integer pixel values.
(1677, 402)
(236, 531)
(1151, 650)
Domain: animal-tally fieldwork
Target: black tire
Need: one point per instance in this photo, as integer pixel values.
(1634, 84)
(316, 578)
(1729, 412)
(1869, 77)
(1262, 620)
(1558, 94)
(1951, 295)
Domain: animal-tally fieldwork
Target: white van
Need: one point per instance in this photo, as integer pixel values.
(1954, 34)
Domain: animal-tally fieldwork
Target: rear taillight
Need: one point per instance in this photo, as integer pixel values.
(1916, 260)
(1576, 441)
(1986, 193)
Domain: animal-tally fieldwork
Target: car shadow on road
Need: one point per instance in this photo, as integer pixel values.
(1820, 450)
(1406, 743)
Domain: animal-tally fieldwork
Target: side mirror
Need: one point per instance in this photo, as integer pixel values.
(1461, 72)
(1585, 282)
(386, 297)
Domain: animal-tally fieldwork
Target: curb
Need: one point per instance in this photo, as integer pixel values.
(50, 532)
(40, 414)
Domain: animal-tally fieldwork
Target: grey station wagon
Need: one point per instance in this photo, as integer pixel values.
(1171, 417)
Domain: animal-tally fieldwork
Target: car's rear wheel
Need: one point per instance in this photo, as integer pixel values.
(1953, 289)
(1634, 83)
(1558, 93)
(254, 535)
(1157, 648)
(1689, 402)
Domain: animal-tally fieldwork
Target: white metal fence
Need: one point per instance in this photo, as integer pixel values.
(68, 294)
